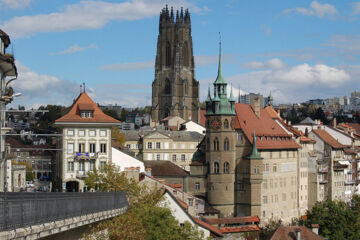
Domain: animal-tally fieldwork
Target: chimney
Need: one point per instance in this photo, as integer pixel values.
(257, 106)
(148, 171)
(298, 234)
(289, 123)
(315, 228)
(334, 122)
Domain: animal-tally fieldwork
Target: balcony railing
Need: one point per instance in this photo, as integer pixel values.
(323, 180)
(349, 181)
(323, 169)
(81, 174)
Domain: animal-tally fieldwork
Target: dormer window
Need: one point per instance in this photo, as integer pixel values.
(86, 110)
(87, 114)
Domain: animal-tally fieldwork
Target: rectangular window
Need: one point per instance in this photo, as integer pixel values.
(70, 147)
(103, 133)
(149, 156)
(275, 167)
(157, 156)
(70, 166)
(197, 186)
(183, 158)
(92, 133)
(174, 157)
(81, 166)
(92, 147)
(166, 145)
(102, 165)
(265, 200)
(149, 145)
(81, 133)
(158, 145)
(92, 165)
(103, 147)
(81, 147)
(70, 132)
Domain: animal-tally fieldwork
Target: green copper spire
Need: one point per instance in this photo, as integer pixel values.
(220, 79)
(255, 154)
(208, 99)
(231, 99)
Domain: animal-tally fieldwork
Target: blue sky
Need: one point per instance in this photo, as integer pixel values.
(298, 50)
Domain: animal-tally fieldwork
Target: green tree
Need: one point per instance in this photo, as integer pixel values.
(111, 113)
(145, 218)
(117, 136)
(336, 219)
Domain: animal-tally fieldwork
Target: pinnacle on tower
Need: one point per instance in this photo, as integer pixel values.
(181, 15)
(177, 17)
(231, 99)
(220, 79)
(208, 99)
(172, 15)
(255, 154)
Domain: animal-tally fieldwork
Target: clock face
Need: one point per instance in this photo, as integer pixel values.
(216, 124)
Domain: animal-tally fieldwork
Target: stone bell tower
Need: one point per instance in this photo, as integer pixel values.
(220, 146)
(175, 91)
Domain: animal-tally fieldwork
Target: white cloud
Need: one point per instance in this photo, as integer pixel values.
(15, 3)
(266, 29)
(199, 62)
(349, 43)
(90, 14)
(75, 48)
(274, 63)
(315, 9)
(129, 66)
(42, 88)
(356, 8)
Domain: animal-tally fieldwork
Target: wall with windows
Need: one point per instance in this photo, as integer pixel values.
(84, 149)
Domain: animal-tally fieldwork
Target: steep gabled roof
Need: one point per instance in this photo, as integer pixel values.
(289, 233)
(161, 168)
(327, 138)
(272, 135)
(84, 102)
(271, 111)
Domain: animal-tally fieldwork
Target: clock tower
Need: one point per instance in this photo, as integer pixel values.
(220, 146)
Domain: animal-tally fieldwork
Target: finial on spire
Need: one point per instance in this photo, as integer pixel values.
(83, 87)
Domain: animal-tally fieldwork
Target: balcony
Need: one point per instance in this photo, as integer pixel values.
(85, 156)
(81, 174)
(349, 181)
(323, 169)
(323, 180)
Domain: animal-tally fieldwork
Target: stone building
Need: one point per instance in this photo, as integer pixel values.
(175, 91)
(86, 143)
(247, 163)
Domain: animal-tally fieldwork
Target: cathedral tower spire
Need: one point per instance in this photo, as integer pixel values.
(175, 91)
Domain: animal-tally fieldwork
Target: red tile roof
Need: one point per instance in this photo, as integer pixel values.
(289, 233)
(232, 220)
(355, 126)
(175, 185)
(202, 117)
(213, 229)
(84, 101)
(272, 112)
(161, 168)
(273, 136)
(249, 228)
(306, 139)
(327, 138)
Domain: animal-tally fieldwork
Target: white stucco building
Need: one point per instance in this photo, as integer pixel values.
(86, 143)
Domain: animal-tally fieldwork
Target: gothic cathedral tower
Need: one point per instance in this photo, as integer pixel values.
(220, 147)
(175, 91)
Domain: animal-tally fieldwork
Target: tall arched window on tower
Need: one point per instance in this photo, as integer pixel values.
(208, 143)
(226, 123)
(226, 144)
(168, 54)
(185, 55)
(216, 167)
(226, 167)
(167, 86)
(216, 144)
(185, 88)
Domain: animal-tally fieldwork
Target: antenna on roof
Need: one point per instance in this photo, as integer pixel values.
(83, 87)
(80, 88)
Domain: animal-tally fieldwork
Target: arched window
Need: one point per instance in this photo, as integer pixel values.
(216, 144)
(226, 167)
(186, 88)
(226, 123)
(168, 54)
(208, 143)
(226, 144)
(167, 86)
(216, 167)
(185, 55)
